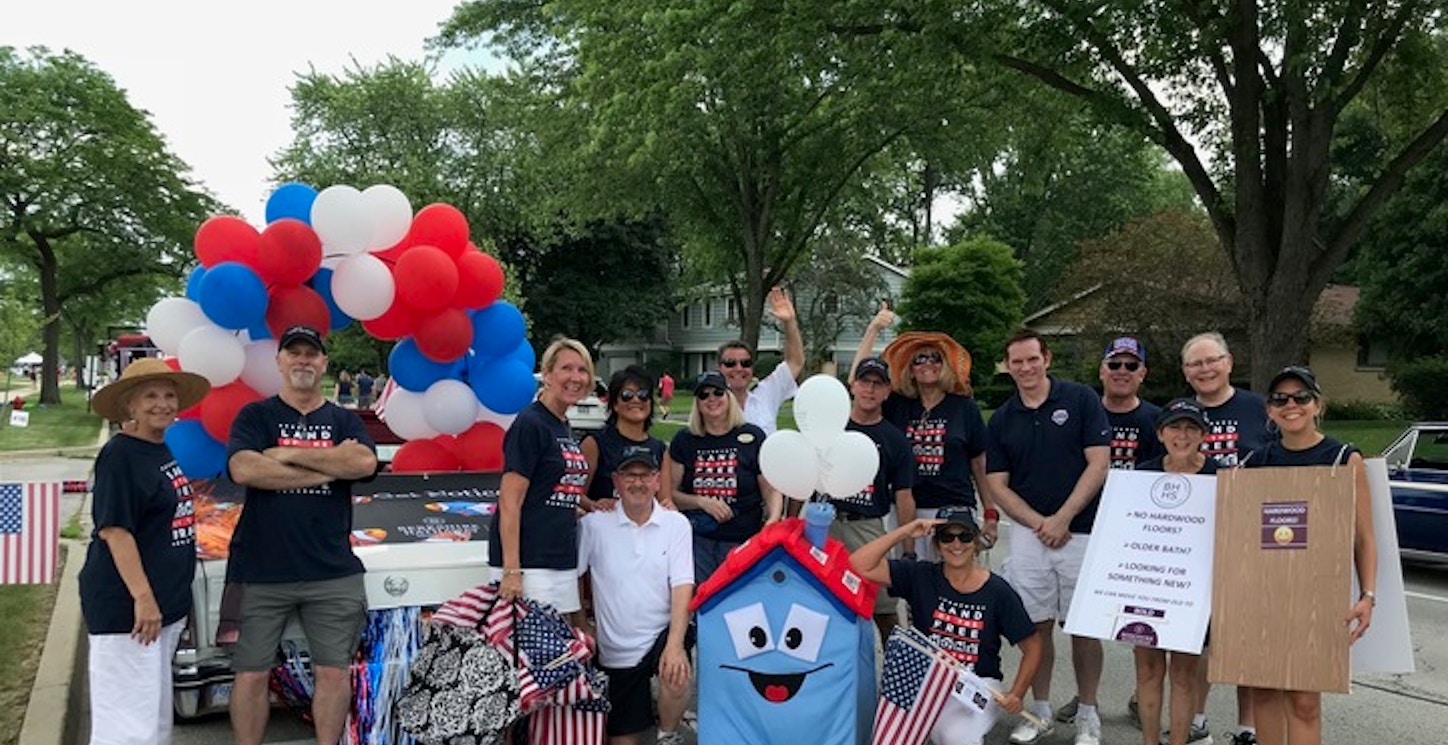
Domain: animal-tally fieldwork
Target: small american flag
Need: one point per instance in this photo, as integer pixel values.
(29, 533)
(913, 690)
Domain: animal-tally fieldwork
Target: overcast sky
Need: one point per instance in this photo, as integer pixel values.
(214, 75)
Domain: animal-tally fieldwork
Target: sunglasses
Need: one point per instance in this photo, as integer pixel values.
(953, 536)
(1301, 398)
(929, 358)
(629, 394)
(1118, 364)
(708, 393)
(742, 362)
(1204, 362)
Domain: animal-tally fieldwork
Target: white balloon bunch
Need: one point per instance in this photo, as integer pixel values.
(822, 456)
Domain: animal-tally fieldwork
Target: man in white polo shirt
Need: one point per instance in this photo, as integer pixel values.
(640, 559)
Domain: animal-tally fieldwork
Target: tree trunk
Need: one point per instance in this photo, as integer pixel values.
(50, 331)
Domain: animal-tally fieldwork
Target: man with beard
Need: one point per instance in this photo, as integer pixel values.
(297, 455)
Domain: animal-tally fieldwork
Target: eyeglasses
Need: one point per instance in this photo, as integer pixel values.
(708, 393)
(952, 537)
(1301, 398)
(1205, 362)
(1118, 364)
(629, 394)
(740, 362)
(928, 358)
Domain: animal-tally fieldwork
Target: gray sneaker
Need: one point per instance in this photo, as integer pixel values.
(1197, 736)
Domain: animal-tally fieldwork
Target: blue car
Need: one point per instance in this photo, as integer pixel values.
(1418, 474)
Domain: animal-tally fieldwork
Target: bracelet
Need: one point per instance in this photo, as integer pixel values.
(1371, 597)
(507, 572)
(992, 513)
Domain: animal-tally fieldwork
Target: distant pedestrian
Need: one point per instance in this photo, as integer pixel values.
(364, 389)
(666, 394)
(343, 395)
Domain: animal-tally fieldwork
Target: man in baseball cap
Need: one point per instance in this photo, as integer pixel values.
(305, 334)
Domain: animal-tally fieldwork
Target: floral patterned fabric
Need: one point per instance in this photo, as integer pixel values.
(461, 691)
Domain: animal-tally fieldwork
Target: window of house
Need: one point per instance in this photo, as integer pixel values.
(684, 319)
(831, 303)
(709, 312)
(1371, 355)
(733, 314)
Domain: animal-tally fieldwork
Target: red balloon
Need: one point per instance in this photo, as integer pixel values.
(393, 253)
(480, 280)
(227, 238)
(440, 225)
(481, 447)
(420, 456)
(445, 335)
(220, 407)
(289, 254)
(296, 305)
(173, 362)
(426, 278)
(397, 322)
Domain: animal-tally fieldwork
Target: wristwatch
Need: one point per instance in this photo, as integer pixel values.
(1372, 598)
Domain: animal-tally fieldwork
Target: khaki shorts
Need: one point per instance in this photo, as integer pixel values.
(856, 533)
(333, 613)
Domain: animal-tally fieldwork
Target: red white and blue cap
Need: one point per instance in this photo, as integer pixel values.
(1125, 345)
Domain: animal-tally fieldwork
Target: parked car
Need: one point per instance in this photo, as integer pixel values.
(591, 412)
(1418, 474)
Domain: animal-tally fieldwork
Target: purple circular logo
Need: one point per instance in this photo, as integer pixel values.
(1138, 633)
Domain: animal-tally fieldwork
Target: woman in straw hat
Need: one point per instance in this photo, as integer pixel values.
(931, 403)
(135, 587)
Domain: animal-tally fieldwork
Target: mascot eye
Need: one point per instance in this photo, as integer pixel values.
(804, 632)
(749, 630)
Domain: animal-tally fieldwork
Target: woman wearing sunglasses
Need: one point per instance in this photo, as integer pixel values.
(1295, 405)
(963, 607)
(630, 413)
(931, 403)
(716, 480)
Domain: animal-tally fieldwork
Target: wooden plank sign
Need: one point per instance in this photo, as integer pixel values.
(1282, 577)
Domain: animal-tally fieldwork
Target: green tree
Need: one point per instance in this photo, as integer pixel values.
(835, 288)
(19, 316)
(970, 290)
(90, 197)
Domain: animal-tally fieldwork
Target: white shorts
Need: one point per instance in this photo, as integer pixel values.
(130, 688)
(961, 725)
(1045, 578)
(555, 587)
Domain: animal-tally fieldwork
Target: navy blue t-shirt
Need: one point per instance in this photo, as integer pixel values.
(896, 472)
(540, 447)
(967, 625)
(724, 467)
(1209, 466)
(944, 438)
(1043, 449)
(139, 487)
(611, 444)
(294, 535)
(1133, 436)
(1329, 452)
(1236, 427)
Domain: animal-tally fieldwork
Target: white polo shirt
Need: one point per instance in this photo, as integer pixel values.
(762, 407)
(633, 570)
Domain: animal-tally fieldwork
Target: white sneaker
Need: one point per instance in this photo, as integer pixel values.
(1088, 731)
(671, 738)
(1027, 732)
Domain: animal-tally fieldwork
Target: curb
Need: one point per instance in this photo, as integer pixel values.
(52, 716)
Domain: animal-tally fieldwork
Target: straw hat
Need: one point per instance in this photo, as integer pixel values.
(900, 351)
(190, 387)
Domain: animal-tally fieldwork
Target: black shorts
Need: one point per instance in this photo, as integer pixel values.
(629, 695)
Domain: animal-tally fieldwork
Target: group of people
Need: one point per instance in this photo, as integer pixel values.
(355, 391)
(646, 521)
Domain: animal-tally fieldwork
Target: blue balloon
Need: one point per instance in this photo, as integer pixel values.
(503, 385)
(193, 283)
(322, 283)
(524, 353)
(199, 456)
(292, 200)
(233, 296)
(498, 329)
(412, 370)
(259, 331)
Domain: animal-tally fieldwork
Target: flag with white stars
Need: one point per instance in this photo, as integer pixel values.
(913, 690)
(29, 533)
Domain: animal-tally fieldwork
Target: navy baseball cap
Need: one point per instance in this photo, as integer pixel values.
(1125, 345)
(873, 366)
(957, 516)
(711, 379)
(1182, 408)
(1303, 374)
(302, 333)
(638, 454)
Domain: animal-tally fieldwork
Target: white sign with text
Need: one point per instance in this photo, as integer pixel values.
(19, 418)
(1147, 576)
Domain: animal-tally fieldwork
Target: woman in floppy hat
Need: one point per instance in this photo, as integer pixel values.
(931, 403)
(135, 587)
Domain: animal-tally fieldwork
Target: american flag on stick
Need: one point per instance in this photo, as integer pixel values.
(915, 686)
(29, 532)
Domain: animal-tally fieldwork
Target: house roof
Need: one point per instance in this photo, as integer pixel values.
(829, 566)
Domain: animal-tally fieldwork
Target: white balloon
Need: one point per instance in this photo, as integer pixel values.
(404, 415)
(391, 215)
(450, 406)
(171, 319)
(504, 421)
(363, 287)
(339, 215)
(213, 353)
(847, 464)
(788, 461)
(822, 405)
(260, 371)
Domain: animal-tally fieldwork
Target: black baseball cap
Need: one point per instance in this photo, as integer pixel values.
(1182, 408)
(1309, 380)
(957, 516)
(638, 454)
(302, 333)
(711, 379)
(873, 366)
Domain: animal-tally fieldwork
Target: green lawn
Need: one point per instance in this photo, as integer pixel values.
(1368, 435)
(70, 424)
(25, 616)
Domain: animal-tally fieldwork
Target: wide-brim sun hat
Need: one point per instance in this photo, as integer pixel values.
(190, 388)
(901, 351)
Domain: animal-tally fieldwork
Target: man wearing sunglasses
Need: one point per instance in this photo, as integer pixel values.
(736, 364)
(1133, 421)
